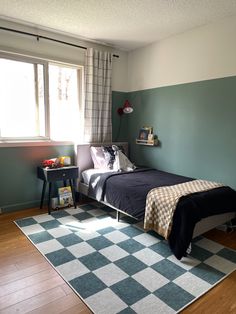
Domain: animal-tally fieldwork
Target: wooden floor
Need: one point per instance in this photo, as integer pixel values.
(29, 284)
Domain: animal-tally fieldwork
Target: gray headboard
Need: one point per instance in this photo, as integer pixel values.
(83, 157)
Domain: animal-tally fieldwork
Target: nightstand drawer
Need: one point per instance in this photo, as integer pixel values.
(60, 174)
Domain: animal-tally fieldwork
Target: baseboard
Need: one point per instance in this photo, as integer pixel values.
(20, 206)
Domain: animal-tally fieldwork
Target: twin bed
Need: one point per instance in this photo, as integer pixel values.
(126, 192)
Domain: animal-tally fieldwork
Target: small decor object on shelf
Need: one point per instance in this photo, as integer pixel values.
(150, 138)
(155, 140)
(65, 196)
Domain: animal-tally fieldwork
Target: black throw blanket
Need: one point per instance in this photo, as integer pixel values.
(191, 209)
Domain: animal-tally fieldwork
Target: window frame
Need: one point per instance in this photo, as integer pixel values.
(40, 140)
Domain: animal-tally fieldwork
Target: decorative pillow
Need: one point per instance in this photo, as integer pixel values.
(109, 154)
(98, 157)
(104, 157)
(121, 163)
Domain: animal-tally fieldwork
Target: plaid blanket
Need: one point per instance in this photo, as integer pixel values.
(161, 203)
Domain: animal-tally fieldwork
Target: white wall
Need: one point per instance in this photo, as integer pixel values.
(47, 49)
(202, 53)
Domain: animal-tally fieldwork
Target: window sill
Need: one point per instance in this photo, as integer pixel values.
(33, 143)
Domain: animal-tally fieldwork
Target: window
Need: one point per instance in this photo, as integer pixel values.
(64, 102)
(39, 99)
(22, 99)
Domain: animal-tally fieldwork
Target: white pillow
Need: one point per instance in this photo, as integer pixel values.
(98, 157)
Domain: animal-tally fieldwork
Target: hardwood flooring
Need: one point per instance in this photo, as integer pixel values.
(29, 284)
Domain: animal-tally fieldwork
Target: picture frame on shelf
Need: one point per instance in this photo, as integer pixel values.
(143, 134)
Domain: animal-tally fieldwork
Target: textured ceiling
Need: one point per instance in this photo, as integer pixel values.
(124, 24)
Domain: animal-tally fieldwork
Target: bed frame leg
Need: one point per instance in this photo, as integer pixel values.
(117, 215)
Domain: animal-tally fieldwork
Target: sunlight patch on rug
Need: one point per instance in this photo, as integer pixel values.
(115, 267)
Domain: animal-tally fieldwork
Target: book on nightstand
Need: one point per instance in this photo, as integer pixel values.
(65, 196)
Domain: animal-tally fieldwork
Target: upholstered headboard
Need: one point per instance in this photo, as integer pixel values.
(83, 157)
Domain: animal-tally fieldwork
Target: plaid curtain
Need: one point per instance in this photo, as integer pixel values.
(97, 111)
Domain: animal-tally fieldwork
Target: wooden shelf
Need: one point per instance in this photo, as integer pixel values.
(147, 143)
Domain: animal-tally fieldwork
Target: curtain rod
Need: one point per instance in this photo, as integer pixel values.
(45, 37)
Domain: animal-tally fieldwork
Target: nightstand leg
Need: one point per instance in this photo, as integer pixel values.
(72, 191)
(43, 193)
(49, 198)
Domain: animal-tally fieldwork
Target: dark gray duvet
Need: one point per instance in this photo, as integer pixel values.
(127, 191)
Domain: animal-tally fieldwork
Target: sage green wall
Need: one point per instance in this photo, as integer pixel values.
(19, 186)
(196, 125)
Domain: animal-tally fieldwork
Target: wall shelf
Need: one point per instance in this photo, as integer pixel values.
(147, 143)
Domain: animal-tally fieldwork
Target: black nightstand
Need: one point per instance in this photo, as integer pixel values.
(57, 174)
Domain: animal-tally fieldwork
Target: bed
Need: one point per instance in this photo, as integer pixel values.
(130, 198)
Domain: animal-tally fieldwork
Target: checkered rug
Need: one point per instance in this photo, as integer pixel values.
(115, 267)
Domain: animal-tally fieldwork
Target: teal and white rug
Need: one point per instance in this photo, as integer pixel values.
(115, 267)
